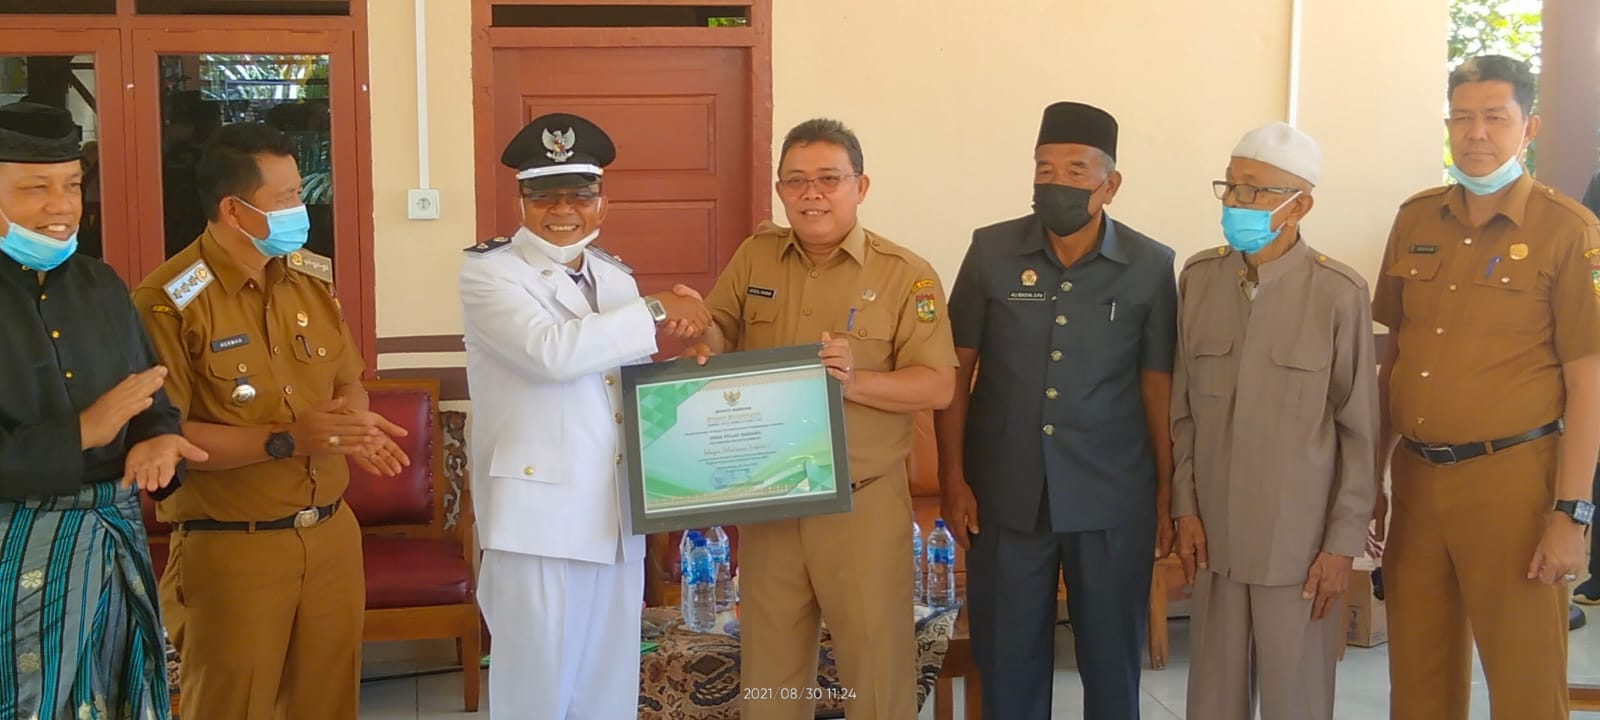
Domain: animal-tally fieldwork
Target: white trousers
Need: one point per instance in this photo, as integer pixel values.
(565, 637)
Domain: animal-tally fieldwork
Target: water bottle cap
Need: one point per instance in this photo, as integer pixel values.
(699, 540)
(692, 534)
(939, 523)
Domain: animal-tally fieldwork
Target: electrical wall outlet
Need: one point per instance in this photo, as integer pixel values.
(422, 204)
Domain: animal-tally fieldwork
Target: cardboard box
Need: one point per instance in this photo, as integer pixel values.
(1366, 623)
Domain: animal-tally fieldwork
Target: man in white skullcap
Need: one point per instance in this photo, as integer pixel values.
(1274, 420)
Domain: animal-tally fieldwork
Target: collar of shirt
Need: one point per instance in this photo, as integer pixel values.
(1036, 240)
(230, 274)
(854, 245)
(1295, 258)
(1513, 207)
(17, 272)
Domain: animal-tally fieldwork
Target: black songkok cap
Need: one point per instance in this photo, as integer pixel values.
(1079, 124)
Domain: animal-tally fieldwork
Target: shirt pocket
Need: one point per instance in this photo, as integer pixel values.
(871, 339)
(1300, 377)
(1507, 299)
(760, 321)
(240, 385)
(524, 460)
(1110, 338)
(1421, 285)
(1209, 368)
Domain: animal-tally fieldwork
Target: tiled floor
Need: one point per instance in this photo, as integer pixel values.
(1363, 688)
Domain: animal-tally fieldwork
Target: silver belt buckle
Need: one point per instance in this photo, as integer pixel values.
(1447, 449)
(306, 518)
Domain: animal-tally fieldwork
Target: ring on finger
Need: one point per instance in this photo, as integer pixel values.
(333, 441)
(1569, 577)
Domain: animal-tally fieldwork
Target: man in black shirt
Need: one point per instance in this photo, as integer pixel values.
(84, 426)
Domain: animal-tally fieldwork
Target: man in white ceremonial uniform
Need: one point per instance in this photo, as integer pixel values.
(1274, 424)
(549, 319)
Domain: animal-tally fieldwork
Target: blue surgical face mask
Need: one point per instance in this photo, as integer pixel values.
(35, 250)
(1493, 182)
(1249, 230)
(287, 230)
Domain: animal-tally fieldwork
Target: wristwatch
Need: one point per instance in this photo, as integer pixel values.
(658, 312)
(280, 445)
(1581, 511)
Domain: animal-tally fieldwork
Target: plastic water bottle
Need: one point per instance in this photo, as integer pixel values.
(684, 546)
(941, 567)
(702, 606)
(917, 567)
(721, 568)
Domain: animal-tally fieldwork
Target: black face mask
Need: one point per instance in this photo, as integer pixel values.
(1063, 210)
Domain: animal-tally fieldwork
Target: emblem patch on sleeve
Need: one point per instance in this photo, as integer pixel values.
(927, 312)
(1594, 268)
(187, 286)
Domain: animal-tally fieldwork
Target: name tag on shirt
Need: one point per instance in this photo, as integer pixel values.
(768, 293)
(1424, 249)
(1026, 296)
(228, 343)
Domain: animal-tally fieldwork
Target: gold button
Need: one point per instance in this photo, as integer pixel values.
(619, 459)
(806, 312)
(69, 374)
(1222, 250)
(43, 296)
(1049, 429)
(1413, 271)
(861, 333)
(1061, 319)
(610, 380)
(56, 334)
(815, 274)
(1505, 280)
(1452, 288)
(1051, 393)
(301, 319)
(618, 417)
(1055, 355)
(528, 470)
(1066, 286)
(1322, 258)
(1425, 373)
(1241, 273)
(1467, 241)
(1421, 420)
(244, 368)
(275, 349)
(288, 390)
(1438, 331)
(322, 352)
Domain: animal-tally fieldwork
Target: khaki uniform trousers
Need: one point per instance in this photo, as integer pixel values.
(850, 570)
(1258, 642)
(268, 624)
(1456, 570)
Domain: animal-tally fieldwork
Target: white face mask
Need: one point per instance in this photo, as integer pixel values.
(562, 254)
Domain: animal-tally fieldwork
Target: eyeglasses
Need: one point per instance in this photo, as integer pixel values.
(1245, 193)
(796, 185)
(544, 200)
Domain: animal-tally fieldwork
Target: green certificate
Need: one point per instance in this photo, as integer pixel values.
(748, 437)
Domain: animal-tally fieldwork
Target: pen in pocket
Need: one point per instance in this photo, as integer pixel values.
(1492, 262)
(1113, 317)
(850, 322)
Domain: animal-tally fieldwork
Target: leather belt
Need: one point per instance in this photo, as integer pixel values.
(309, 517)
(1452, 454)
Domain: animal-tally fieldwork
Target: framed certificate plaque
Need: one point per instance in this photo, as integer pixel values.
(747, 437)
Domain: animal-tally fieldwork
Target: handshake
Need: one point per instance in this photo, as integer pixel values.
(687, 316)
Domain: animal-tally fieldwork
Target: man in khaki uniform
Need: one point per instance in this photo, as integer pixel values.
(879, 311)
(1274, 420)
(263, 592)
(1491, 290)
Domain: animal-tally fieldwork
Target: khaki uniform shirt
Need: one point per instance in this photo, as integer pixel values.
(883, 297)
(1274, 412)
(1486, 317)
(216, 330)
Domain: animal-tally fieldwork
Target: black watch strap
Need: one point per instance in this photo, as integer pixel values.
(1581, 511)
(280, 445)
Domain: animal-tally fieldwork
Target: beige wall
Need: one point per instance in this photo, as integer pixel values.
(946, 97)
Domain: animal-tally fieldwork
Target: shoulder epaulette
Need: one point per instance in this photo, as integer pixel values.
(612, 260)
(310, 263)
(1430, 192)
(1215, 253)
(489, 246)
(1348, 272)
(187, 286)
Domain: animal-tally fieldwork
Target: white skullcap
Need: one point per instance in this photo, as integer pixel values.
(1283, 147)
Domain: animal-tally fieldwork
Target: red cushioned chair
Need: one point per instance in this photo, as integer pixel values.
(419, 576)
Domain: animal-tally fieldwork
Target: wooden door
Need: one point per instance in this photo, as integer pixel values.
(680, 189)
